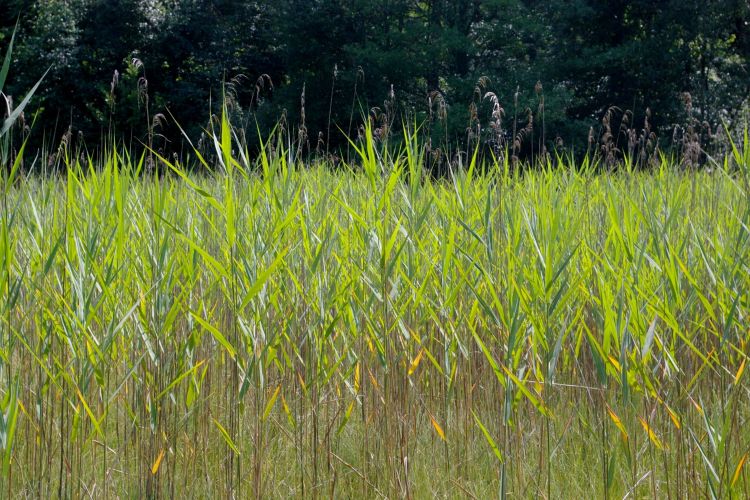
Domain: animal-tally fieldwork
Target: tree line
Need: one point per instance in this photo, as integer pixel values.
(531, 75)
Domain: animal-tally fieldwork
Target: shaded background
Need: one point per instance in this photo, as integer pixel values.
(441, 57)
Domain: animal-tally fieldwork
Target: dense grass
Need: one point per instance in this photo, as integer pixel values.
(374, 333)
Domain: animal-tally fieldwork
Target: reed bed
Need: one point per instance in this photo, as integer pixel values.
(268, 330)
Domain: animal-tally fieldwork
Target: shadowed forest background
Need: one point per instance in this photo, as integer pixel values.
(556, 67)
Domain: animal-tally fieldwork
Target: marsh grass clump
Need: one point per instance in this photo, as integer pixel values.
(260, 329)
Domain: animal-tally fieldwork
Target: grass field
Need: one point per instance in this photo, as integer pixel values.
(368, 332)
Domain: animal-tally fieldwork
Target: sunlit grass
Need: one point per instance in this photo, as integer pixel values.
(297, 331)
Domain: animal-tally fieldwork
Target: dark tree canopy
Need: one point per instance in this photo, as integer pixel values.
(115, 65)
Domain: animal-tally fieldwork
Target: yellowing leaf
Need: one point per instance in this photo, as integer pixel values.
(651, 434)
(373, 380)
(157, 463)
(437, 427)
(740, 372)
(288, 412)
(673, 416)
(697, 406)
(618, 423)
(415, 363)
(738, 470)
(94, 421)
(615, 363)
(271, 402)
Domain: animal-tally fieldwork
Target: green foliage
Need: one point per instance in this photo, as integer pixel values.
(11, 112)
(557, 333)
(347, 55)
